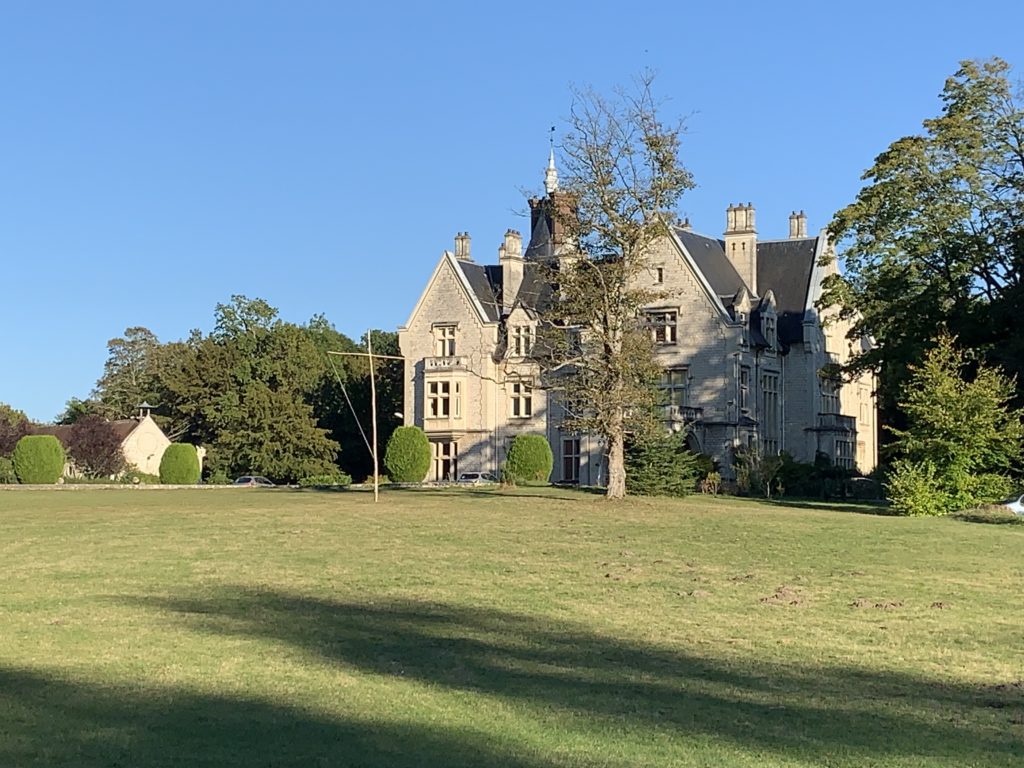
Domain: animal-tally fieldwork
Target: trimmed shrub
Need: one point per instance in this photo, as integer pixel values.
(407, 457)
(338, 480)
(7, 475)
(136, 477)
(179, 465)
(661, 465)
(39, 459)
(529, 460)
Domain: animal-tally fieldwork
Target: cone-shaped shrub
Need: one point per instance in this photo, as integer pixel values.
(179, 465)
(407, 457)
(38, 459)
(529, 460)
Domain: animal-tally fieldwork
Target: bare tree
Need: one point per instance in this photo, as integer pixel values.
(623, 179)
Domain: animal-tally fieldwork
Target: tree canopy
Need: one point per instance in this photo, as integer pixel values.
(936, 236)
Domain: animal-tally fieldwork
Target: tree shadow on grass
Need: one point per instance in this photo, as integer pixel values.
(46, 721)
(880, 509)
(833, 715)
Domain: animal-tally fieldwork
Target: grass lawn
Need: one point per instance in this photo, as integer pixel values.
(528, 628)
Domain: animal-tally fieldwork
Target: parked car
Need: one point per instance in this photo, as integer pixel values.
(1015, 504)
(253, 481)
(477, 478)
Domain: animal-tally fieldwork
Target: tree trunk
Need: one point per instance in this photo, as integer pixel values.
(616, 468)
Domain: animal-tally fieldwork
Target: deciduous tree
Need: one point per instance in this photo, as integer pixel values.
(623, 179)
(95, 447)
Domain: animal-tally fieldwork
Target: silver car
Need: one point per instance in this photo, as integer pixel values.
(1015, 504)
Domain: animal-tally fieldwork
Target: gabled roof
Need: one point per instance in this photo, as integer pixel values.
(486, 286)
(709, 256)
(122, 428)
(785, 267)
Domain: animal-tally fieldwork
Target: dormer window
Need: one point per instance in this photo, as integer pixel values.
(522, 340)
(444, 340)
(768, 329)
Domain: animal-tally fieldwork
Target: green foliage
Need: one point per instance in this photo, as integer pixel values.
(7, 473)
(129, 375)
(179, 465)
(756, 472)
(218, 477)
(962, 442)
(39, 459)
(134, 477)
(821, 479)
(661, 465)
(407, 456)
(934, 237)
(337, 480)
(529, 460)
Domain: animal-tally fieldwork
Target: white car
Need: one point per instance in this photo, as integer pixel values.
(477, 478)
(1015, 504)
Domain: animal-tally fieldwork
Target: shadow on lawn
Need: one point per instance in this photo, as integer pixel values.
(819, 714)
(48, 722)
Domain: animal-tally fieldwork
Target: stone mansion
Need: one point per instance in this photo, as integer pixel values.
(745, 354)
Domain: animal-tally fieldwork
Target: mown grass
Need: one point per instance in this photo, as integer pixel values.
(524, 628)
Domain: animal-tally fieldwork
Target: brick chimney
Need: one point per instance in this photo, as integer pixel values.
(510, 257)
(741, 243)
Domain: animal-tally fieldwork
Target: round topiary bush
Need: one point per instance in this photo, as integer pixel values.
(38, 459)
(179, 465)
(529, 460)
(407, 457)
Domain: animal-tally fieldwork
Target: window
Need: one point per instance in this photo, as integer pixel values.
(829, 396)
(745, 389)
(659, 275)
(522, 340)
(446, 461)
(522, 399)
(844, 454)
(444, 340)
(571, 459)
(768, 323)
(444, 399)
(770, 414)
(673, 384)
(663, 326)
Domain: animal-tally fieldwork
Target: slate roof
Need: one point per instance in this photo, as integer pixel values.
(709, 255)
(122, 428)
(540, 247)
(485, 285)
(785, 267)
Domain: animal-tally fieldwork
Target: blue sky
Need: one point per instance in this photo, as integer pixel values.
(156, 158)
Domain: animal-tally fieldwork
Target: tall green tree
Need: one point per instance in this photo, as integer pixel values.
(936, 236)
(14, 425)
(963, 442)
(128, 375)
(623, 179)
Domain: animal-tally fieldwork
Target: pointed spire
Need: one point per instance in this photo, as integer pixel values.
(551, 174)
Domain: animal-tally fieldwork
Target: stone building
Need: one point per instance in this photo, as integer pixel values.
(747, 358)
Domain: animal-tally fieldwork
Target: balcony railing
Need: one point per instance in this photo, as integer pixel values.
(453, 363)
(683, 413)
(836, 422)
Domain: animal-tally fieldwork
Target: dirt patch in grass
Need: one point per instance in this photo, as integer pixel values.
(784, 595)
(884, 605)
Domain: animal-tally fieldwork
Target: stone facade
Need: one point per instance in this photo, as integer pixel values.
(748, 360)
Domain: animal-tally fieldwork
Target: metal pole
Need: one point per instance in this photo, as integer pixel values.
(373, 416)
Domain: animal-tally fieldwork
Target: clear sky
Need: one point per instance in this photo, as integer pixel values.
(158, 157)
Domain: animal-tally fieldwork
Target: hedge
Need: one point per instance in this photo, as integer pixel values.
(39, 459)
(407, 457)
(179, 465)
(529, 460)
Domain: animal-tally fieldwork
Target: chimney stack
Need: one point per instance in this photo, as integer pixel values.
(797, 224)
(741, 243)
(510, 256)
(462, 246)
